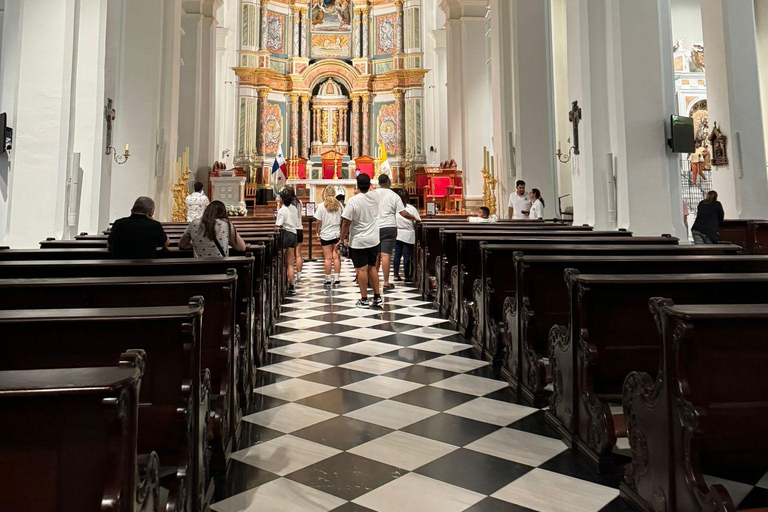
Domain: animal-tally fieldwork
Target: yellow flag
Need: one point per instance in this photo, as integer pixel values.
(383, 156)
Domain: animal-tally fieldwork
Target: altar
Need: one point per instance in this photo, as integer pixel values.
(312, 190)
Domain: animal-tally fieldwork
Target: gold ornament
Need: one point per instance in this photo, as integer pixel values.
(181, 188)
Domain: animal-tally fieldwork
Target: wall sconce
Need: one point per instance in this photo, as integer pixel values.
(565, 157)
(120, 159)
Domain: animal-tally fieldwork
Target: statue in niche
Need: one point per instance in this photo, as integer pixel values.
(697, 57)
(719, 143)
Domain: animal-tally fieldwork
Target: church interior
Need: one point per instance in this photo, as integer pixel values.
(579, 325)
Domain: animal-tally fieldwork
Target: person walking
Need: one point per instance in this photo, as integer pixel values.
(519, 202)
(537, 205)
(212, 234)
(196, 203)
(709, 215)
(406, 239)
(287, 220)
(390, 208)
(299, 235)
(360, 220)
(329, 216)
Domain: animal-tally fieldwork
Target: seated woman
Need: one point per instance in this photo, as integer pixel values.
(213, 234)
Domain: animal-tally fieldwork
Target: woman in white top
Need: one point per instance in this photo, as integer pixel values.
(287, 220)
(406, 239)
(299, 209)
(329, 216)
(537, 205)
(213, 234)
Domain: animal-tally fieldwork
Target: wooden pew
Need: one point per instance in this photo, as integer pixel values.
(219, 351)
(246, 320)
(541, 300)
(752, 235)
(69, 440)
(174, 394)
(702, 412)
(610, 335)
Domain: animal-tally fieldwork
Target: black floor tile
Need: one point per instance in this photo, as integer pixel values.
(340, 401)
(240, 477)
(570, 464)
(410, 355)
(252, 434)
(474, 471)
(266, 378)
(535, 424)
(336, 376)
(420, 374)
(451, 429)
(333, 341)
(757, 498)
(494, 505)
(617, 505)
(346, 476)
(434, 398)
(335, 357)
(404, 340)
(351, 507)
(332, 328)
(342, 433)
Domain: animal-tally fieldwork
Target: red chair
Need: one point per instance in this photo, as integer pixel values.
(438, 191)
(422, 182)
(457, 195)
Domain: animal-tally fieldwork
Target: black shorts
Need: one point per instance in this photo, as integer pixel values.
(364, 257)
(299, 236)
(329, 242)
(289, 240)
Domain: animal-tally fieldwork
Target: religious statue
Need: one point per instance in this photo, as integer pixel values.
(719, 144)
(697, 56)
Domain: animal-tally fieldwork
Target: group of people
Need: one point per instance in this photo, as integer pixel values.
(377, 222)
(524, 206)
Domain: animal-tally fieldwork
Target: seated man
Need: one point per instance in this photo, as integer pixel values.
(139, 235)
(483, 216)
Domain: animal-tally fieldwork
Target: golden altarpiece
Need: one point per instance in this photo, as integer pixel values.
(323, 76)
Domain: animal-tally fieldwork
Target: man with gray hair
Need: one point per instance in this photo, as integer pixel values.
(137, 236)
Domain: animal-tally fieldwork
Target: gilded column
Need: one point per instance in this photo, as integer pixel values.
(262, 141)
(354, 148)
(264, 28)
(304, 49)
(400, 35)
(366, 98)
(366, 28)
(400, 105)
(296, 15)
(316, 125)
(358, 37)
(294, 122)
(305, 125)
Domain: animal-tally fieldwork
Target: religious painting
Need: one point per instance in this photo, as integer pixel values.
(275, 24)
(386, 30)
(337, 46)
(331, 15)
(386, 124)
(272, 127)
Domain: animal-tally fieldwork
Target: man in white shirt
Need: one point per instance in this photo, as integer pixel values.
(197, 202)
(483, 216)
(390, 206)
(519, 202)
(360, 220)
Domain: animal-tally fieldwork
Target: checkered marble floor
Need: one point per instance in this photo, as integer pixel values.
(389, 410)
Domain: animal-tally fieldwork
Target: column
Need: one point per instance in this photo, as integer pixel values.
(296, 24)
(294, 122)
(366, 28)
(356, 35)
(316, 125)
(261, 142)
(354, 150)
(264, 28)
(206, 142)
(305, 126)
(400, 105)
(400, 29)
(304, 49)
(733, 93)
(366, 150)
(190, 84)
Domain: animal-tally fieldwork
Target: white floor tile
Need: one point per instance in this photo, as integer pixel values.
(403, 450)
(431, 333)
(299, 336)
(281, 495)
(375, 365)
(454, 363)
(383, 387)
(421, 321)
(552, 492)
(364, 333)
(301, 323)
(737, 490)
(302, 313)
(413, 492)
(285, 454)
(358, 312)
(441, 346)
(371, 348)
(362, 322)
(470, 384)
(490, 411)
(303, 305)
(298, 350)
(518, 446)
(289, 417)
(413, 311)
(391, 414)
(293, 389)
(295, 368)
(411, 302)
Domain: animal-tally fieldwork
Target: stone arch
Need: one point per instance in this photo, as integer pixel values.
(324, 69)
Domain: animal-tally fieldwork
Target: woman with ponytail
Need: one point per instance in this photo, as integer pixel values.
(537, 205)
(329, 216)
